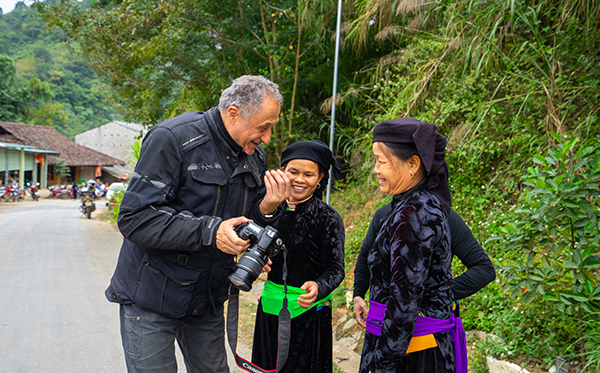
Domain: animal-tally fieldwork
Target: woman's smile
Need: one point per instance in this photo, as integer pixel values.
(304, 178)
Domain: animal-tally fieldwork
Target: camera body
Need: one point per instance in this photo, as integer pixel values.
(264, 243)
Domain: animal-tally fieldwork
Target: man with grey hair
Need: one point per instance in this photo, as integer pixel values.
(199, 176)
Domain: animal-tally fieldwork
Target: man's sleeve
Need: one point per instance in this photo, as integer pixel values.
(146, 218)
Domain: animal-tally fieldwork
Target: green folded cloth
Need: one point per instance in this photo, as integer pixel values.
(271, 299)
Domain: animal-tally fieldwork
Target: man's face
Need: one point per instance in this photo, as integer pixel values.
(253, 131)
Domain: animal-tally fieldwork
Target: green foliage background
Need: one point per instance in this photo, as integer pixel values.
(50, 85)
(497, 77)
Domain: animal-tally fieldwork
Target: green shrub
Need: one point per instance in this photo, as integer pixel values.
(550, 252)
(591, 340)
(114, 205)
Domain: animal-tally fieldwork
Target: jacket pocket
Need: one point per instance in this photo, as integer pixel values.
(208, 174)
(163, 287)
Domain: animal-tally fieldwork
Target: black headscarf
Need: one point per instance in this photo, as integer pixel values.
(318, 152)
(430, 145)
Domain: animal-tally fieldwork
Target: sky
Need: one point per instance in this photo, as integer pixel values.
(8, 5)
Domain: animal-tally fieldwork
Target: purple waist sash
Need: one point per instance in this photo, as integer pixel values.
(427, 325)
(375, 317)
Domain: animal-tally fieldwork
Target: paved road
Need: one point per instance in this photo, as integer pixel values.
(54, 267)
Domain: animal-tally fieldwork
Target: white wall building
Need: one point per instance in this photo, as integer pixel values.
(114, 139)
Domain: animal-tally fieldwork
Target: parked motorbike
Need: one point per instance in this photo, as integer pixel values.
(33, 191)
(13, 194)
(21, 193)
(87, 202)
(59, 192)
(7, 194)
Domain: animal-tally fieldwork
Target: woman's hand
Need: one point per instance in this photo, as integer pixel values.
(360, 311)
(277, 185)
(267, 267)
(312, 290)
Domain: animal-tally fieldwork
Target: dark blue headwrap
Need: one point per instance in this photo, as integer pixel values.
(431, 147)
(318, 152)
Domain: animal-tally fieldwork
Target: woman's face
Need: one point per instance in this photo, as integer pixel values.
(393, 174)
(304, 177)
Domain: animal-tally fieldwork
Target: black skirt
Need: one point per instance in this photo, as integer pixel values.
(432, 360)
(311, 339)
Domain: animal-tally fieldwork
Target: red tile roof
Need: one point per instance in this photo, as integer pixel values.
(48, 138)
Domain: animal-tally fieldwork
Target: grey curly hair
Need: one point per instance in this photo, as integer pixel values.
(247, 94)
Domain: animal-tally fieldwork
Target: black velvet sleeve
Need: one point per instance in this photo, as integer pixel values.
(314, 236)
(480, 270)
(361, 270)
(410, 261)
(332, 254)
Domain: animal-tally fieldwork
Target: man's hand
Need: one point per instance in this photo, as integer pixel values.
(360, 311)
(277, 184)
(312, 290)
(227, 240)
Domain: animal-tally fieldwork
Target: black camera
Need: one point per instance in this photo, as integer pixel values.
(264, 243)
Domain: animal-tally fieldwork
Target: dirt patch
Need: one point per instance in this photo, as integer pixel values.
(247, 317)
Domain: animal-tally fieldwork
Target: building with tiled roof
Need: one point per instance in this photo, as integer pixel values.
(84, 163)
(115, 139)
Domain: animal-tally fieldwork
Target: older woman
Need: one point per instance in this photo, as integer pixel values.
(410, 325)
(314, 235)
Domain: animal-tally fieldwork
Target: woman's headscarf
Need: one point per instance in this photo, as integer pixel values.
(430, 145)
(318, 152)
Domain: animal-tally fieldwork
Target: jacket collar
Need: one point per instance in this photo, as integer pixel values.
(224, 137)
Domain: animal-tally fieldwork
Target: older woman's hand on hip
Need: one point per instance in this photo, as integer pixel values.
(360, 311)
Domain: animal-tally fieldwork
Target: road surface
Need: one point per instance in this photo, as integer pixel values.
(54, 267)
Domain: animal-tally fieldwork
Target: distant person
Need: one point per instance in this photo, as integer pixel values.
(199, 175)
(74, 191)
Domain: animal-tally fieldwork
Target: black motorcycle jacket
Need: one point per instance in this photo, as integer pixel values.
(190, 176)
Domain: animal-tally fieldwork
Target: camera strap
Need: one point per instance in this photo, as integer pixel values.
(283, 337)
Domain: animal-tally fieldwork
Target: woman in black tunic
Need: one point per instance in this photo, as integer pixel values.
(313, 233)
(410, 325)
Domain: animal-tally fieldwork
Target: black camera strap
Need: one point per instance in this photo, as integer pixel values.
(283, 337)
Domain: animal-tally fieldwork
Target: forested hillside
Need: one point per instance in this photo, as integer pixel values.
(44, 81)
(514, 85)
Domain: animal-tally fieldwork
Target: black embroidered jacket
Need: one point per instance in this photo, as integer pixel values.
(410, 271)
(314, 236)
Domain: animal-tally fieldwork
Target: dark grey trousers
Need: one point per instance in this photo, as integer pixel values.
(149, 341)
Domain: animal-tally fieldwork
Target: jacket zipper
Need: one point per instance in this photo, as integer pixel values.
(245, 198)
(217, 202)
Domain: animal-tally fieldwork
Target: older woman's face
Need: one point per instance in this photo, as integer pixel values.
(393, 174)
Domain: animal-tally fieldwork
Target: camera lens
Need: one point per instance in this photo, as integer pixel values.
(238, 280)
(248, 268)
